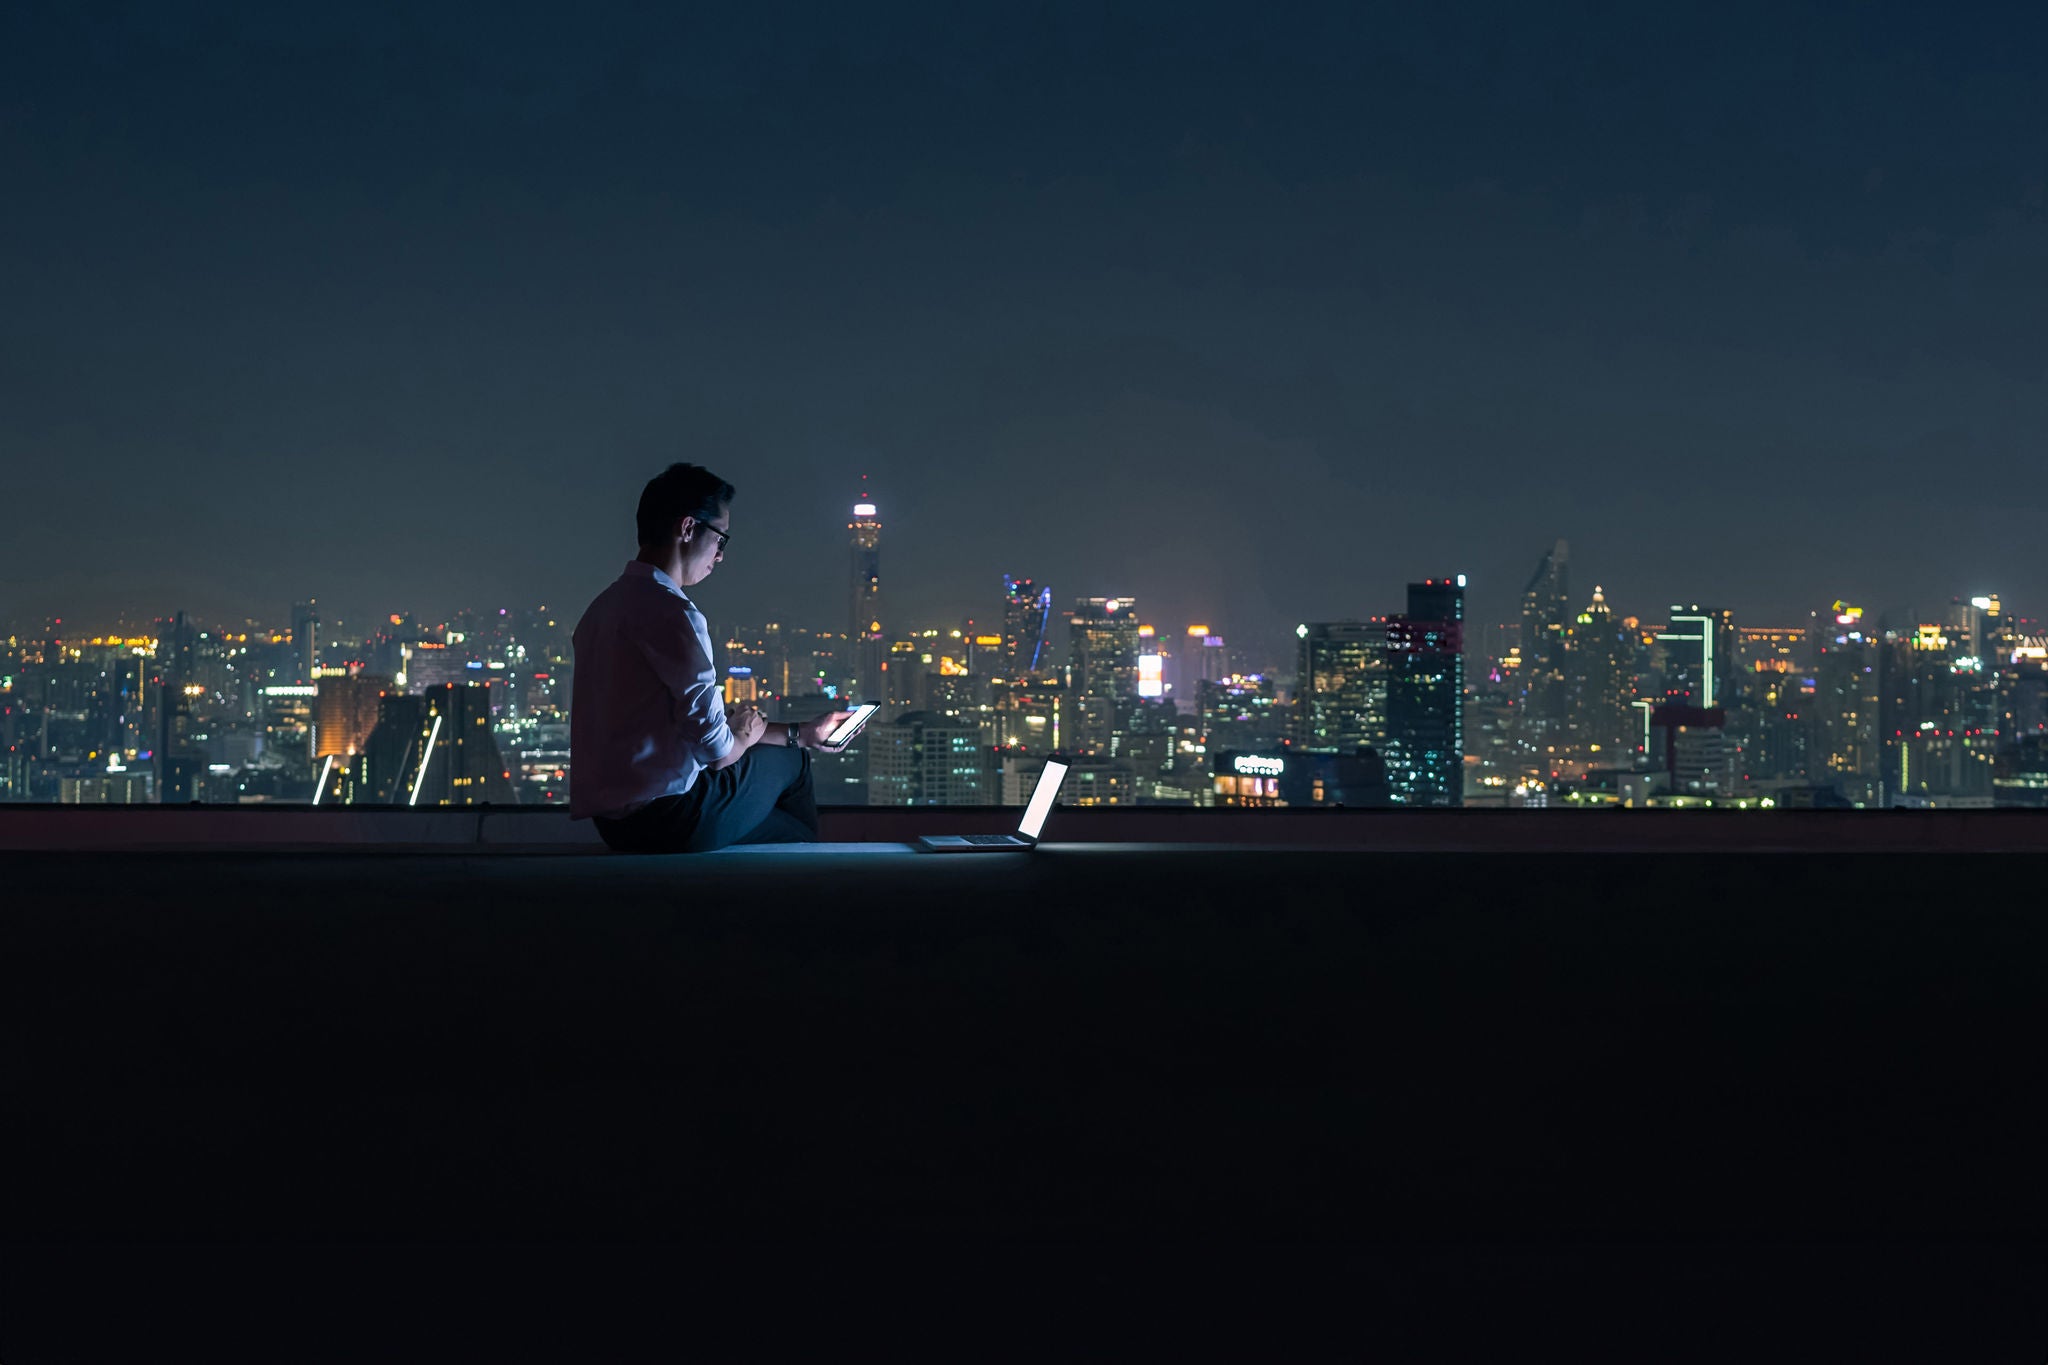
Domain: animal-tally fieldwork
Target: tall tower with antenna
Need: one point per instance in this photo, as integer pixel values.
(864, 616)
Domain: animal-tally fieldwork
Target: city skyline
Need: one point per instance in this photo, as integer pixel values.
(1567, 704)
(1269, 633)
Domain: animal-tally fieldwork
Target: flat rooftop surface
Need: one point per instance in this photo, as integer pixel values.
(1100, 1046)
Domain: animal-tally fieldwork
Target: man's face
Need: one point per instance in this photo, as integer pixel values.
(703, 547)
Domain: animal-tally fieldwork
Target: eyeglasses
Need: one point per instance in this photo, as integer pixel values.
(722, 536)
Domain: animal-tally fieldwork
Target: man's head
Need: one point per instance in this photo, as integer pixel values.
(683, 515)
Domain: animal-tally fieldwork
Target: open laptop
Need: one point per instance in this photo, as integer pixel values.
(1027, 829)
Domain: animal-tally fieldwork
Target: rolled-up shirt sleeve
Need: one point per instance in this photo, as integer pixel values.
(682, 660)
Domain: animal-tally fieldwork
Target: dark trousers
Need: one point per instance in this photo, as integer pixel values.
(765, 798)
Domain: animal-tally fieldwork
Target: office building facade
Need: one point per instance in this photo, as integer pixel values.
(1340, 690)
(1425, 748)
(926, 759)
(1103, 647)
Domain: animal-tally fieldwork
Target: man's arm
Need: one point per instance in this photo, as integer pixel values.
(810, 734)
(750, 729)
(683, 666)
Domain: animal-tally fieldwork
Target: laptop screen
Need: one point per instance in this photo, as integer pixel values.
(1041, 799)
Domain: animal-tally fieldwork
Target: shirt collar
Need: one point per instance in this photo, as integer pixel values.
(640, 568)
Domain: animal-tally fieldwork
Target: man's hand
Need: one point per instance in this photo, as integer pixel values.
(747, 725)
(811, 734)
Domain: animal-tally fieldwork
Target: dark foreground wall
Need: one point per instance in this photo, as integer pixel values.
(1092, 1046)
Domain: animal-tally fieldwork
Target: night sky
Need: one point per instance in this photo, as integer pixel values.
(1253, 315)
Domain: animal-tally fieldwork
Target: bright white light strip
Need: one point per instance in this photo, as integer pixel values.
(321, 786)
(420, 780)
(1648, 709)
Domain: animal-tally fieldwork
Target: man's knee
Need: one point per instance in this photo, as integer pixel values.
(793, 767)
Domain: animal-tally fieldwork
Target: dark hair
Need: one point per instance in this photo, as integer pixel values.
(681, 490)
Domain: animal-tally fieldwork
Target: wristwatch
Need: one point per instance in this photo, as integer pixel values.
(789, 729)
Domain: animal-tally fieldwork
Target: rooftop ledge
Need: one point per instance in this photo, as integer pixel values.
(516, 829)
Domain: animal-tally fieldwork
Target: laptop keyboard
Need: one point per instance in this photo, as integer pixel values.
(990, 838)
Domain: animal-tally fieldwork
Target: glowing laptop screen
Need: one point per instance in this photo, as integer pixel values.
(1041, 799)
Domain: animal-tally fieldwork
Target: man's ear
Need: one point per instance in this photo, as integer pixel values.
(683, 525)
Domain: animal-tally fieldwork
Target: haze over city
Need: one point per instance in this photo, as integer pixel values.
(1253, 317)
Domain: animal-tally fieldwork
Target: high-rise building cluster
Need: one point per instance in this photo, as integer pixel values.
(469, 711)
(1572, 703)
(1372, 714)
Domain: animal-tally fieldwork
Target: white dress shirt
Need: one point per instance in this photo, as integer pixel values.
(645, 713)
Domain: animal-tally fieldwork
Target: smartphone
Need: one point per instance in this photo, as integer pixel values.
(851, 726)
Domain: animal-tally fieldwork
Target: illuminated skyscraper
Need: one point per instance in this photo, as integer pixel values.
(1426, 696)
(1340, 688)
(178, 762)
(1026, 610)
(1102, 651)
(382, 770)
(1781, 728)
(864, 615)
(1028, 716)
(1769, 649)
(1493, 714)
(305, 638)
(2022, 697)
(1544, 672)
(760, 654)
(432, 663)
(345, 712)
(1975, 626)
(956, 696)
(1938, 713)
(285, 717)
(1846, 752)
(1699, 648)
(741, 685)
(1203, 659)
(1239, 712)
(435, 749)
(902, 677)
(1602, 688)
(1102, 643)
(1151, 665)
